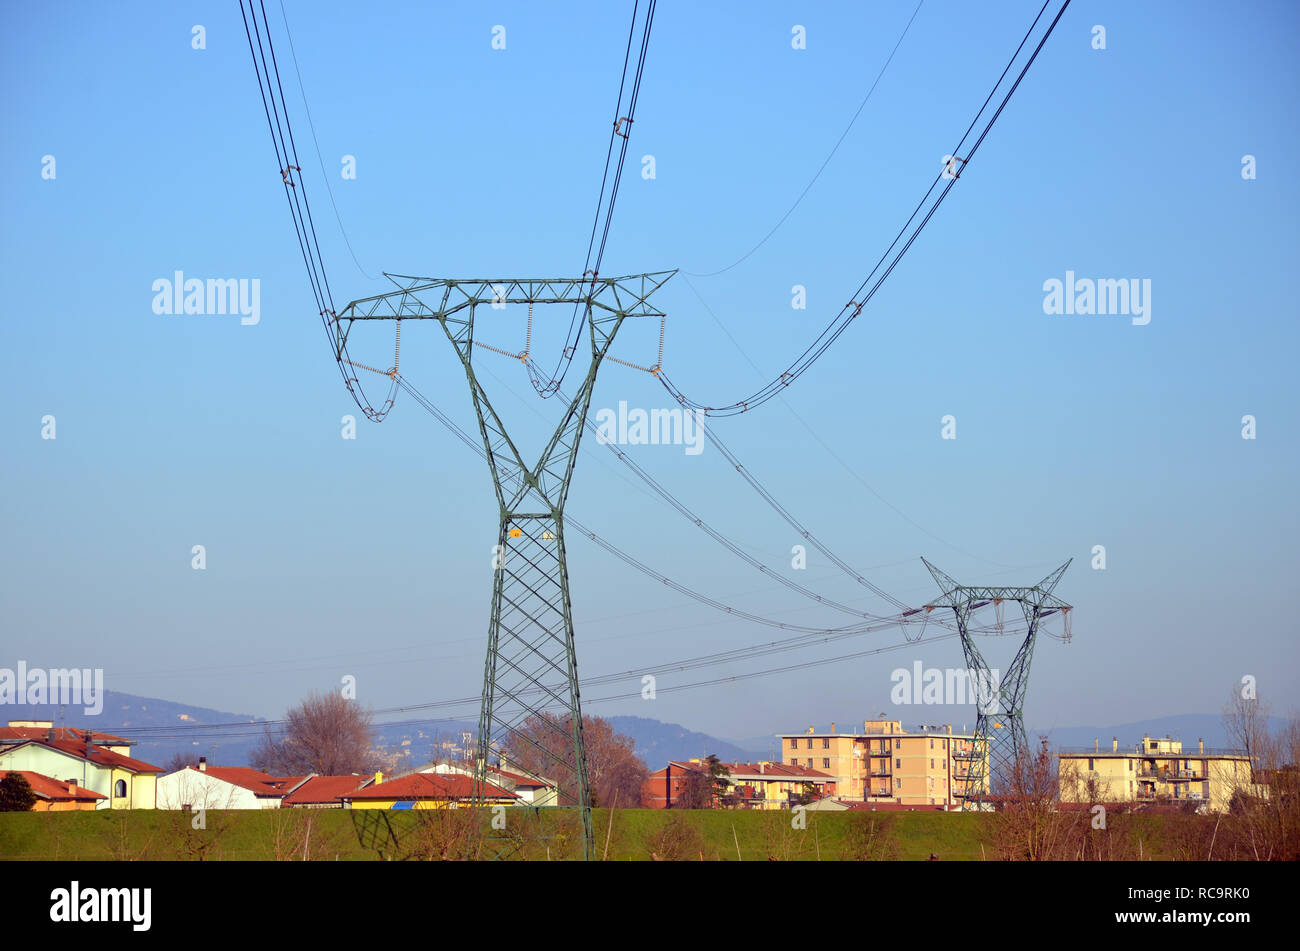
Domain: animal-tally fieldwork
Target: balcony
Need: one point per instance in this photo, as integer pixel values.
(875, 752)
(965, 754)
(881, 771)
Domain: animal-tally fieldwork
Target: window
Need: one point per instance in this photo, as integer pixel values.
(898, 764)
(794, 761)
(932, 762)
(1090, 766)
(809, 744)
(826, 742)
(119, 789)
(826, 764)
(794, 743)
(898, 744)
(945, 744)
(931, 742)
(898, 783)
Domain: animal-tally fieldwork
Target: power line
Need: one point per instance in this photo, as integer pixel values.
(867, 289)
(319, 158)
(546, 388)
(813, 181)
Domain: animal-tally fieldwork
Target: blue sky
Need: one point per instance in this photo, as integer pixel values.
(371, 557)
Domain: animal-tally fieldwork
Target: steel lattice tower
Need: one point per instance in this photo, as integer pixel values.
(530, 678)
(1000, 729)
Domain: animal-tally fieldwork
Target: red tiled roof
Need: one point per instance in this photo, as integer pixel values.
(775, 771)
(97, 755)
(519, 779)
(47, 787)
(245, 777)
(321, 789)
(428, 786)
(61, 733)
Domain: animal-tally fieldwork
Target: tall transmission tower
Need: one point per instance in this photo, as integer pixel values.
(531, 670)
(1000, 738)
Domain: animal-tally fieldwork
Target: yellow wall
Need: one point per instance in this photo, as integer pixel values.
(141, 790)
(1161, 772)
(389, 803)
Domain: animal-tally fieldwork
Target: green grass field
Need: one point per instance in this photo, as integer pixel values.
(633, 835)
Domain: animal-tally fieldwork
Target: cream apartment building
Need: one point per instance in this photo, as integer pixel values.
(885, 763)
(1156, 770)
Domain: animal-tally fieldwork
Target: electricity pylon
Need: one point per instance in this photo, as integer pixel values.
(1000, 738)
(531, 670)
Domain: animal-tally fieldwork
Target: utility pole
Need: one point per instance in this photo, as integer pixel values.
(1000, 739)
(531, 669)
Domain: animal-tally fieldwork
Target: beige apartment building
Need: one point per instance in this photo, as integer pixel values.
(1156, 770)
(885, 763)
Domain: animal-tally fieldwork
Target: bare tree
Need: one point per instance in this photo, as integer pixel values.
(1030, 825)
(325, 734)
(543, 746)
(1263, 821)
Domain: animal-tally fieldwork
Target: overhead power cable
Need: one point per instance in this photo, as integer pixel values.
(835, 148)
(906, 236)
(624, 117)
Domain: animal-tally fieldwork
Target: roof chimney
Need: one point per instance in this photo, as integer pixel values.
(1201, 741)
(1096, 744)
(379, 777)
(203, 764)
(1114, 744)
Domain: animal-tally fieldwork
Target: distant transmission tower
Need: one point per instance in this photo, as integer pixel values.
(1000, 727)
(531, 670)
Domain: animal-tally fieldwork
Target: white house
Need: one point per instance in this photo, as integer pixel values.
(223, 787)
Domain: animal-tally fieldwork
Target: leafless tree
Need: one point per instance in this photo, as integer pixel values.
(614, 772)
(1030, 825)
(325, 734)
(1263, 820)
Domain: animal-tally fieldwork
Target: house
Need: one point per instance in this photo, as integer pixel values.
(529, 788)
(323, 792)
(424, 791)
(19, 730)
(124, 782)
(53, 795)
(761, 785)
(223, 787)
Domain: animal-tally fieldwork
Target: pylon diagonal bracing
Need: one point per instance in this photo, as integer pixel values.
(1000, 739)
(531, 667)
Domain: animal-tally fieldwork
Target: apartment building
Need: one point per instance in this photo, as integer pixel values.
(1157, 770)
(929, 766)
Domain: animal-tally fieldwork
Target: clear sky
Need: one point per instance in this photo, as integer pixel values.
(370, 557)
